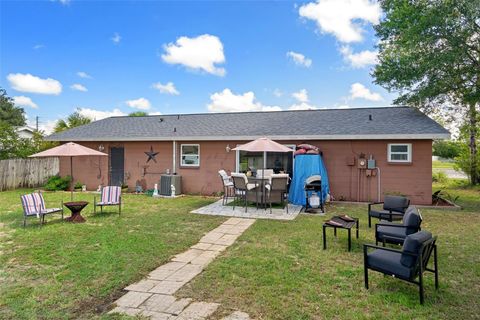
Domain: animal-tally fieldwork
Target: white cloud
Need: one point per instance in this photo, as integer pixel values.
(64, 2)
(156, 113)
(38, 46)
(359, 91)
(200, 53)
(99, 114)
(116, 38)
(299, 59)
(342, 18)
(301, 96)
(343, 107)
(227, 101)
(168, 88)
(23, 101)
(78, 87)
(277, 93)
(140, 103)
(360, 59)
(84, 75)
(29, 83)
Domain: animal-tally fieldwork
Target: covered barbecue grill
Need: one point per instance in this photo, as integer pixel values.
(306, 167)
(313, 193)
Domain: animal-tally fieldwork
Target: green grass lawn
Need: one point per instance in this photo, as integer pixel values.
(442, 165)
(65, 271)
(278, 270)
(275, 270)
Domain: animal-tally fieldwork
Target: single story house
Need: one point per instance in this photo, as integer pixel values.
(196, 146)
(25, 132)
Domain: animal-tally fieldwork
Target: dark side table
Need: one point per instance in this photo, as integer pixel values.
(76, 207)
(338, 222)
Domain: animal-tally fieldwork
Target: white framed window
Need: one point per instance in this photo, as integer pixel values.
(400, 152)
(190, 155)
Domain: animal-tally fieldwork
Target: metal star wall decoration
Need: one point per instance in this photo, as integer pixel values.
(151, 155)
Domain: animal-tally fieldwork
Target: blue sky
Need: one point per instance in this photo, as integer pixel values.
(115, 57)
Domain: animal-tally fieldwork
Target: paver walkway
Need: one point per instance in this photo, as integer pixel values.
(218, 209)
(154, 296)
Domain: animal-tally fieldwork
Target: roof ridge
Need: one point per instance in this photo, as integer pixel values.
(267, 112)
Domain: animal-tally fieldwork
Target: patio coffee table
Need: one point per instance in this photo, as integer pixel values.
(76, 207)
(338, 222)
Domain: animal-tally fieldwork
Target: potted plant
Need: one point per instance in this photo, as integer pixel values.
(78, 186)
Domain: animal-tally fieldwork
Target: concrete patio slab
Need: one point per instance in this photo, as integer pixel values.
(217, 209)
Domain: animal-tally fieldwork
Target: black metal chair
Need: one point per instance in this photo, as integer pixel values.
(407, 264)
(243, 189)
(395, 233)
(394, 208)
(277, 189)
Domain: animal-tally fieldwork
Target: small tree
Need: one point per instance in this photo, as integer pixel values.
(429, 51)
(138, 114)
(9, 113)
(74, 120)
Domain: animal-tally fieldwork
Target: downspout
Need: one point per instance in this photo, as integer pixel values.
(174, 157)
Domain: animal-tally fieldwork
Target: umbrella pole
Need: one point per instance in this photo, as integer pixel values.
(71, 175)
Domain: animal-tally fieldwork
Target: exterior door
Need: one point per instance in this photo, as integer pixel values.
(117, 162)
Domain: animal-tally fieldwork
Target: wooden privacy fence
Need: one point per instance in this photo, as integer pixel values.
(27, 173)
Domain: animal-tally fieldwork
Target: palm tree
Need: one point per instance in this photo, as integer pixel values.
(73, 120)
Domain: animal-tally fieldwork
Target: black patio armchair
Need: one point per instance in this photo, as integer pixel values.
(407, 264)
(395, 233)
(394, 208)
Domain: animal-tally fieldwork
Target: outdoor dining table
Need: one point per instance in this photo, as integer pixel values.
(75, 207)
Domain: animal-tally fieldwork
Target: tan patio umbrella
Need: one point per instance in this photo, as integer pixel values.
(71, 150)
(263, 145)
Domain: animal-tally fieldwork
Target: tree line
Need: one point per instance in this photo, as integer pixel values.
(12, 117)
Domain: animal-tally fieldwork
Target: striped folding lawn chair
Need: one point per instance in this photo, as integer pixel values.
(110, 196)
(34, 206)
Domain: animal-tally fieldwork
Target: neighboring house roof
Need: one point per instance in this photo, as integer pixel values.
(326, 124)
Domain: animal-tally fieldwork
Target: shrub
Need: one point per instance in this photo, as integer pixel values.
(447, 149)
(55, 183)
(464, 162)
(440, 177)
(78, 185)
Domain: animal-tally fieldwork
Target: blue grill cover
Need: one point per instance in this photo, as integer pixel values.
(304, 167)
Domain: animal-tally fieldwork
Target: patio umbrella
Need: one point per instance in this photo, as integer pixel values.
(71, 150)
(263, 145)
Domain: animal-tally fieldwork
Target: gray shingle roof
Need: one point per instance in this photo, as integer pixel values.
(386, 123)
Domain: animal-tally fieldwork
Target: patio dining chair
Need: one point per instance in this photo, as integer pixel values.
(277, 189)
(395, 233)
(110, 196)
(33, 205)
(394, 208)
(228, 188)
(406, 264)
(243, 189)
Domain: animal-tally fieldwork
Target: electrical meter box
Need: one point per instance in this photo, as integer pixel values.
(371, 164)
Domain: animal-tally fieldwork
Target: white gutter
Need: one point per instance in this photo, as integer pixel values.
(423, 136)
